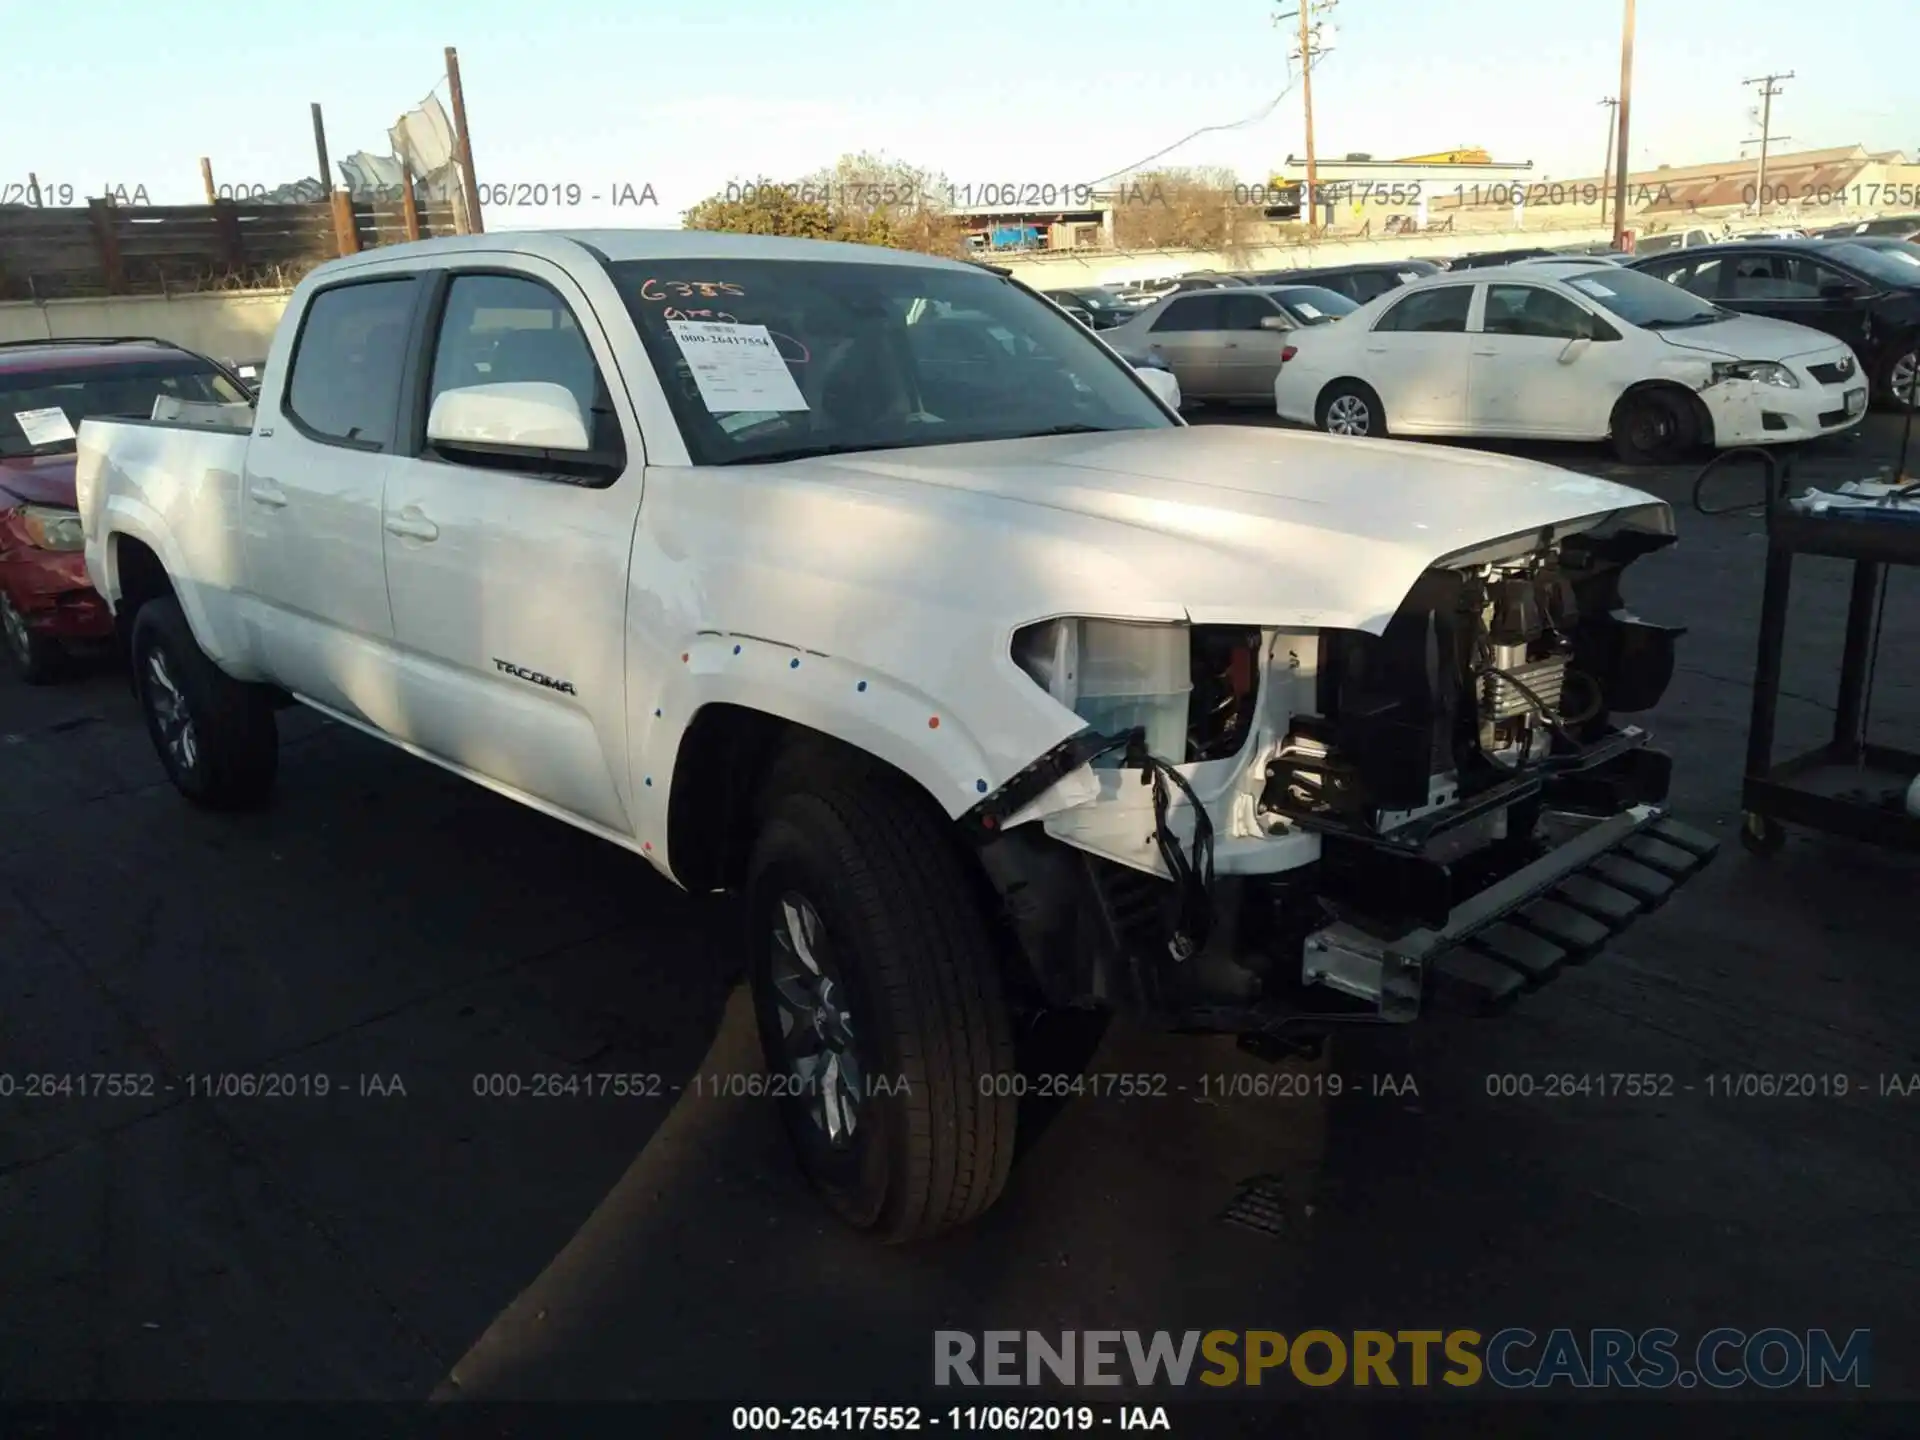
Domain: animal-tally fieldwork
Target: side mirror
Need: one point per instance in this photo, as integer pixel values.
(528, 414)
(1275, 322)
(1838, 290)
(1574, 349)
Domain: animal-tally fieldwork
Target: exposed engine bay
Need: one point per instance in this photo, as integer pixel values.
(1266, 823)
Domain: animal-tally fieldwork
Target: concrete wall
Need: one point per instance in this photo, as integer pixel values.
(226, 324)
(1065, 270)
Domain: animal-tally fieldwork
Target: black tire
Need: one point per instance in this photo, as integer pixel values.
(1902, 368)
(1347, 403)
(215, 735)
(1654, 427)
(37, 659)
(900, 935)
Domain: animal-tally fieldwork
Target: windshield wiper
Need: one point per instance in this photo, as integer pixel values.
(1075, 428)
(814, 452)
(1662, 323)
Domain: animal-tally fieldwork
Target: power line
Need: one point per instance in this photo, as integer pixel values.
(1253, 119)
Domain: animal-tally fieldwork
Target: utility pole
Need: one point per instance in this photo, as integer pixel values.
(1612, 105)
(1620, 149)
(1308, 48)
(463, 143)
(1767, 91)
(1312, 197)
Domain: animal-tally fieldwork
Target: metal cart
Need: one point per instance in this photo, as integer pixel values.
(1847, 786)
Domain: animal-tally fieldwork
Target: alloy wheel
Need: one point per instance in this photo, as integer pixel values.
(816, 1025)
(170, 714)
(1348, 415)
(1901, 378)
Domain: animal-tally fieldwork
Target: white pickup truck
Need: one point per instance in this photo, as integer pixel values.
(873, 587)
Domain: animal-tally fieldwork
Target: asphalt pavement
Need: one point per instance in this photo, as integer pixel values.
(410, 942)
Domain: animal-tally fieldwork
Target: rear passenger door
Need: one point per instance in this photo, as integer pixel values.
(310, 502)
(1417, 359)
(508, 571)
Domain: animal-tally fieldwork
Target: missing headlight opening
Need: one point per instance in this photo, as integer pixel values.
(1371, 802)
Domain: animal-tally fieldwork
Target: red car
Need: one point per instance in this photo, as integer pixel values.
(47, 387)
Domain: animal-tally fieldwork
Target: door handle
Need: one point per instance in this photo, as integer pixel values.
(265, 492)
(1486, 352)
(410, 524)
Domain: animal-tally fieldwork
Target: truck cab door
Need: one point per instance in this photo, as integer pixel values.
(507, 561)
(316, 468)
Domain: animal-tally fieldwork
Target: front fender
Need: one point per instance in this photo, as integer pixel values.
(895, 722)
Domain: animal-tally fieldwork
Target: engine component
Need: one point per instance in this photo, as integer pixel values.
(1526, 687)
(1226, 688)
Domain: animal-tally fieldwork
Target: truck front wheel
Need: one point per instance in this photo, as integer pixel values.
(215, 735)
(881, 1013)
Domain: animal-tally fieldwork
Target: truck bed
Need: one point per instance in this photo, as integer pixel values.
(174, 486)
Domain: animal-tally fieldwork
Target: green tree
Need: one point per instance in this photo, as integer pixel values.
(762, 207)
(865, 199)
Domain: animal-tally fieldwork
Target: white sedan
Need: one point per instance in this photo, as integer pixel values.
(1569, 353)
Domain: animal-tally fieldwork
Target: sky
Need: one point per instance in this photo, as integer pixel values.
(686, 96)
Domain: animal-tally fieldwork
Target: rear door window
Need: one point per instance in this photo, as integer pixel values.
(343, 386)
(1442, 309)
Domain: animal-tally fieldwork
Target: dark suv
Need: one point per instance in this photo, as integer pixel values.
(1359, 283)
(1861, 294)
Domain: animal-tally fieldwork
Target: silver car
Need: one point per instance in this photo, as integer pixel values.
(1227, 344)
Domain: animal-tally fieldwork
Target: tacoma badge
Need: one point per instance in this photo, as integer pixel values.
(565, 687)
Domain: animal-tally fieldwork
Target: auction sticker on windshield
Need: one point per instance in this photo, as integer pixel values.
(44, 427)
(1592, 287)
(737, 367)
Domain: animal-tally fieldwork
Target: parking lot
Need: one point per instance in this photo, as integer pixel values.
(405, 936)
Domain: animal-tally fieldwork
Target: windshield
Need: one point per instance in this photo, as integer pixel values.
(1313, 304)
(765, 360)
(1901, 252)
(1644, 301)
(1100, 302)
(40, 410)
(1890, 268)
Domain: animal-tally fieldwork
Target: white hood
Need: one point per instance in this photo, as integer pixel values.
(1219, 524)
(1751, 337)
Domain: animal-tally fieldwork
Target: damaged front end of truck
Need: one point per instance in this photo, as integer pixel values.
(1263, 829)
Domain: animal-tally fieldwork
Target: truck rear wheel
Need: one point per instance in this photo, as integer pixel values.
(881, 1012)
(215, 735)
